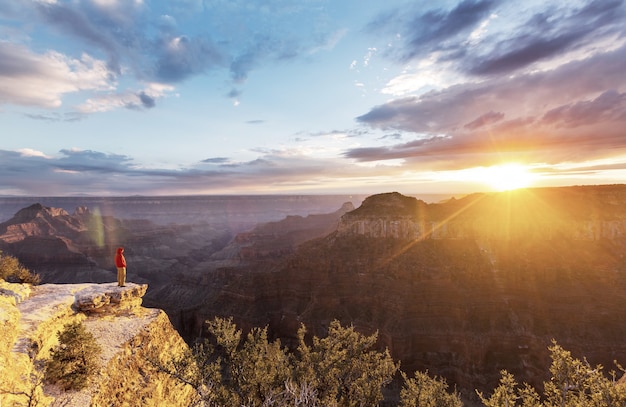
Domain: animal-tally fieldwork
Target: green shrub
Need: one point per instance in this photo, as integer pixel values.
(425, 391)
(341, 369)
(573, 383)
(74, 360)
(12, 270)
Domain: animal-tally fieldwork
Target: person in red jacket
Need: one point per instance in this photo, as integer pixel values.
(120, 263)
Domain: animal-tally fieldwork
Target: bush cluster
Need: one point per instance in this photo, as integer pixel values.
(342, 369)
(13, 271)
(232, 369)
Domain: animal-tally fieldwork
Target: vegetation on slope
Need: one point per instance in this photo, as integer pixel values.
(342, 369)
(12, 270)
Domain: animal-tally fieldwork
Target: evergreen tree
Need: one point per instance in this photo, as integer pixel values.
(74, 360)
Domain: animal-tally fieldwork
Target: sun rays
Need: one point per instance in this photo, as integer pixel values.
(507, 177)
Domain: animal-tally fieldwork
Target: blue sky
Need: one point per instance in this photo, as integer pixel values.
(125, 97)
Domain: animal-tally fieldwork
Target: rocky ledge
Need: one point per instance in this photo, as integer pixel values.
(128, 334)
(109, 298)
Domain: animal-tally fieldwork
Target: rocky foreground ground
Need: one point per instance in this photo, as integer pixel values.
(127, 333)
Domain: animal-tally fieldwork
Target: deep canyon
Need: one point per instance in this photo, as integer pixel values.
(462, 288)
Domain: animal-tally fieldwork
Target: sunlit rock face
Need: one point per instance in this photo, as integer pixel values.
(128, 334)
(109, 298)
(584, 213)
(38, 220)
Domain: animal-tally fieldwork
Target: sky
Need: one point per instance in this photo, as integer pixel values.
(147, 97)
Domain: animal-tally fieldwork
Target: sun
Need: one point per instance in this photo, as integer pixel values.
(507, 177)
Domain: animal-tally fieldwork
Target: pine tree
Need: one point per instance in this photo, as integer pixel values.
(74, 360)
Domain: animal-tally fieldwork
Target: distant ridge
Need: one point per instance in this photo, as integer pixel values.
(239, 211)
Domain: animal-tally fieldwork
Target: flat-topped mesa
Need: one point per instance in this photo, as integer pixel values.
(591, 213)
(387, 215)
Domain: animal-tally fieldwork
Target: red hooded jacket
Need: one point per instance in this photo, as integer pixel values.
(120, 261)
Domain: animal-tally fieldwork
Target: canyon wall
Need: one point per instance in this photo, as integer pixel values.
(510, 215)
(463, 288)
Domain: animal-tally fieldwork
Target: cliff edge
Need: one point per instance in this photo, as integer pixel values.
(129, 335)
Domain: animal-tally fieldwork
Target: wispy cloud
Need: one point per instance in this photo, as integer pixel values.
(134, 100)
(76, 171)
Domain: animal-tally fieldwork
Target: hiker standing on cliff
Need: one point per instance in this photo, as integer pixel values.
(120, 263)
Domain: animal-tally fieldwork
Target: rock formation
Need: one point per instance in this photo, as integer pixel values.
(273, 240)
(584, 213)
(462, 289)
(127, 333)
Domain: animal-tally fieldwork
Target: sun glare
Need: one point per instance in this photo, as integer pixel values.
(506, 177)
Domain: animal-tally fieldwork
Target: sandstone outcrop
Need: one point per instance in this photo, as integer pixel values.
(584, 213)
(109, 298)
(128, 334)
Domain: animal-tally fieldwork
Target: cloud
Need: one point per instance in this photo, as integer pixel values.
(610, 106)
(162, 43)
(130, 99)
(76, 22)
(216, 160)
(31, 79)
(263, 33)
(75, 160)
(544, 36)
(76, 172)
(484, 120)
(146, 100)
(29, 152)
(432, 30)
(483, 37)
(543, 116)
(181, 57)
(56, 116)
